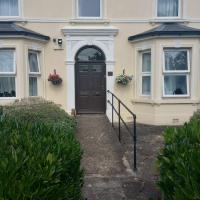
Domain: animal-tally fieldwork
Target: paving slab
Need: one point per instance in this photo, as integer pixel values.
(108, 164)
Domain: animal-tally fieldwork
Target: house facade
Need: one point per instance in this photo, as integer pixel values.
(88, 43)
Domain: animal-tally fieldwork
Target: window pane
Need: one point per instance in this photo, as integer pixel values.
(146, 85)
(146, 62)
(33, 62)
(6, 60)
(90, 54)
(33, 89)
(89, 8)
(175, 85)
(168, 8)
(7, 87)
(9, 8)
(176, 60)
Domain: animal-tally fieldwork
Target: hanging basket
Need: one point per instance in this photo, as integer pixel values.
(55, 78)
(56, 82)
(123, 79)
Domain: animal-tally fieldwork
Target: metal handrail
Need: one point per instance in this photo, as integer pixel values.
(120, 119)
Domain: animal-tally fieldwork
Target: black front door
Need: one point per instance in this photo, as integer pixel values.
(90, 87)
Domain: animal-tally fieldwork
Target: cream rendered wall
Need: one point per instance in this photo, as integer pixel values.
(48, 9)
(130, 17)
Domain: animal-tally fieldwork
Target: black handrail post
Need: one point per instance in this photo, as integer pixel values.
(119, 107)
(132, 131)
(135, 142)
(112, 111)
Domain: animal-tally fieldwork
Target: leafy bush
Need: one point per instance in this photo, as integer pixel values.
(39, 155)
(38, 110)
(196, 116)
(179, 162)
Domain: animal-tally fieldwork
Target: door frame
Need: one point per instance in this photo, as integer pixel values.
(77, 64)
(77, 37)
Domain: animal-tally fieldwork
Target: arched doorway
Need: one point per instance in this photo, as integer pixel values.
(90, 80)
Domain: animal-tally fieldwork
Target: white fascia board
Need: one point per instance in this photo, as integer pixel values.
(88, 31)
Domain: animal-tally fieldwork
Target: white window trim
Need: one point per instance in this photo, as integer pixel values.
(39, 66)
(145, 74)
(177, 73)
(10, 74)
(34, 74)
(88, 18)
(14, 63)
(17, 17)
(177, 96)
(169, 17)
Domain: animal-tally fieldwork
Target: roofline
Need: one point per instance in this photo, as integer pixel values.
(164, 34)
(2, 36)
(15, 34)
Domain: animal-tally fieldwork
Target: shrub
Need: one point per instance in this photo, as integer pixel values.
(39, 160)
(38, 110)
(196, 116)
(179, 163)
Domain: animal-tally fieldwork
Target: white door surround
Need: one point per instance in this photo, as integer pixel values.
(78, 37)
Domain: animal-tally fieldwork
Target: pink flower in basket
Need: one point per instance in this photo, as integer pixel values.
(55, 78)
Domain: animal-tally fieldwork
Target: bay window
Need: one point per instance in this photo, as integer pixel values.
(176, 72)
(89, 8)
(9, 8)
(7, 73)
(168, 8)
(34, 72)
(146, 73)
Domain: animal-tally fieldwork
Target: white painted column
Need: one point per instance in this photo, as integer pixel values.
(110, 81)
(70, 86)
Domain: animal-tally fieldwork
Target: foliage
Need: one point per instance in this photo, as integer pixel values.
(124, 79)
(38, 110)
(179, 162)
(40, 157)
(196, 116)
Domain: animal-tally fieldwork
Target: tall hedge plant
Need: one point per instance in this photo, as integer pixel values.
(39, 156)
(179, 162)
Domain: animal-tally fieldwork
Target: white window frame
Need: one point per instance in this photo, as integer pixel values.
(169, 17)
(20, 3)
(34, 74)
(14, 62)
(145, 74)
(38, 59)
(10, 74)
(82, 17)
(177, 72)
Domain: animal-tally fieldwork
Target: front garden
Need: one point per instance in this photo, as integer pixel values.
(39, 155)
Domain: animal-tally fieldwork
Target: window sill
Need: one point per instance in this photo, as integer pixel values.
(89, 21)
(168, 20)
(165, 101)
(11, 19)
(187, 96)
(8, 98)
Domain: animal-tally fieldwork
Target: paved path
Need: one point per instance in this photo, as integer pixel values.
(108, 165)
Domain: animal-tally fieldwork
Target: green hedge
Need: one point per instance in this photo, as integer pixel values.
(179, 162)
(39, 155)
